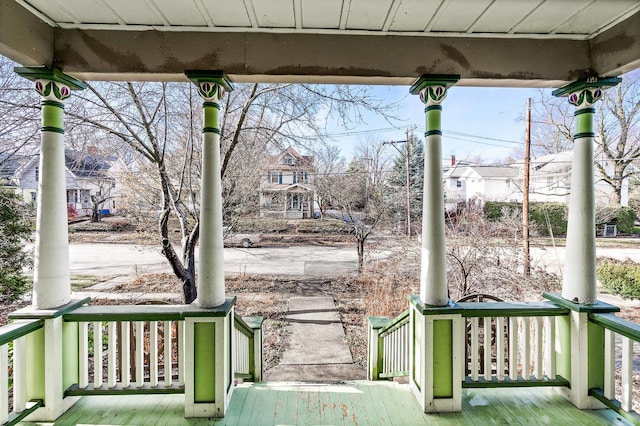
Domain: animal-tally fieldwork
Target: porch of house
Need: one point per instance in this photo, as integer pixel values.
(361, 402)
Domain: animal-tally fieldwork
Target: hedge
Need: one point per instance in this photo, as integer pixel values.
(620, 278)
(538, 214)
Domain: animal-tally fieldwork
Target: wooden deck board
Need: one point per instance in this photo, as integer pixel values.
(361, 403)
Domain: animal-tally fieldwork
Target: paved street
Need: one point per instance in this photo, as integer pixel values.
(127, 260)
(313, 261)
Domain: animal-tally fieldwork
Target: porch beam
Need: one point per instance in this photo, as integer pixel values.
(321, 58)
(212, 86)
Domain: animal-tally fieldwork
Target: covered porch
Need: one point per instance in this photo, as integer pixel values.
(462, 361)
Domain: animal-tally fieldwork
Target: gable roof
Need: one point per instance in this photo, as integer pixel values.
(87, 165)
(496, 172)
(300, 160)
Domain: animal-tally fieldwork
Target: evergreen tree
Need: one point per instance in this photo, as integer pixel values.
(398, 181)
(15, 229)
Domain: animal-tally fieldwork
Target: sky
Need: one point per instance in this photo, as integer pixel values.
(477, 122)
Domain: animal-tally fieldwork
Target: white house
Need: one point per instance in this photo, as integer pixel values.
(550, 179)
(287, 189)
(491, 183)
(89, 177)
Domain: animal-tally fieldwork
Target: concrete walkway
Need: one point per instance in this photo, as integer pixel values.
(317, 349)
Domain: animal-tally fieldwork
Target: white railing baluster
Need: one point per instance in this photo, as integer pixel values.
(609, 364)
(550, 332)
(125, 347)
(487, 348)
(97, 354)
(168, 353)
(626, 398)
(538, 348)
(4, 383)
(112, 355)
(474, 349)
(500, 348)
(513, 348)
(139, 353)
(181, 352)
(526, 348)
(83, 348)
(19, 374)
(153, 353)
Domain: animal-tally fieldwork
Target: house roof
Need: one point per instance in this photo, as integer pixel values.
(559, 162)
(87, 165)
(300, 160)
(280, 187)
(76, 162)
(489, 172)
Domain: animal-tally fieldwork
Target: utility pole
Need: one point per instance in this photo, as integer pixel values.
(406, 150)
(406, 154)
(525, 190)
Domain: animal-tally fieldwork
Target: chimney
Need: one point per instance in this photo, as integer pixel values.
(453, 160)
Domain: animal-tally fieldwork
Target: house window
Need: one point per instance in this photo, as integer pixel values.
(299, 177)
(275, 176)
(459, 183)
(508, 183)
(37, 172)
(287, 160)
(294, 202)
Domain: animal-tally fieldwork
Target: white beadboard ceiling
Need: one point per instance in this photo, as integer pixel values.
(576, 19)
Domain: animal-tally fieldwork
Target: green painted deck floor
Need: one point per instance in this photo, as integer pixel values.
(359, 403)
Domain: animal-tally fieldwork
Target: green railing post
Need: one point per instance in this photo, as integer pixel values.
(208, 360)
(376, 348)
(256, 360)
(52, 359)
(580, 350)
(436, 356)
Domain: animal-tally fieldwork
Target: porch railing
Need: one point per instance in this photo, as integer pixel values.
(510, 344)
(13, 373)
(507, 344)
(129, 349)
(621, 379)
(388, 347)
(141, 349)
(247, 340)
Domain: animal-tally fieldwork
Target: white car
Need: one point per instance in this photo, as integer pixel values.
(241, 240)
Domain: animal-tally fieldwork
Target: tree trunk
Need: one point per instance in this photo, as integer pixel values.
(360, 255)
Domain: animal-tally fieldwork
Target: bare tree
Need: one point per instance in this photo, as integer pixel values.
(330, 165)
(160, 122)
(486, 257)
(359, 194)
(19, 116)
(617, 130)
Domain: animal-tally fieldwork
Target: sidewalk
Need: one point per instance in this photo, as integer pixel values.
(317, 349)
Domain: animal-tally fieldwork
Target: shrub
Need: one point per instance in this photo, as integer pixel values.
(15, 230)
(549, 218)
(620, 278)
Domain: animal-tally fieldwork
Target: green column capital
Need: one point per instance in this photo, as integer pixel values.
(584, 93)
(432, 88)
(50, 83)
(212, 85)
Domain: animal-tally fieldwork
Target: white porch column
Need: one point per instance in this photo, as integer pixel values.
(211, 291)
(433, 273)
(579, 282)
(579, 348)
(51, 283)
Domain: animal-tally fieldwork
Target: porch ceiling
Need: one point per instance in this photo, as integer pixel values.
(487, 42)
